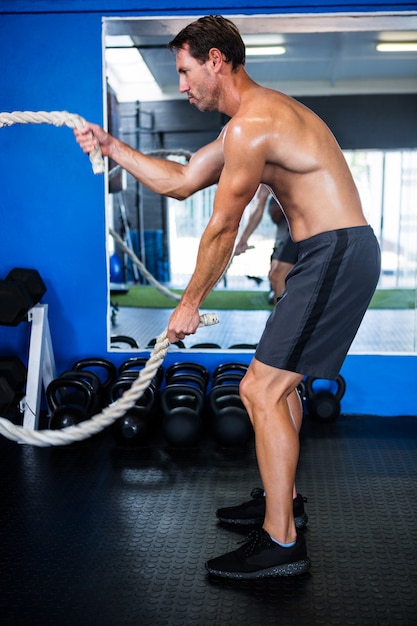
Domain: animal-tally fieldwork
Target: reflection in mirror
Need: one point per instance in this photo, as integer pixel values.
(331, 64)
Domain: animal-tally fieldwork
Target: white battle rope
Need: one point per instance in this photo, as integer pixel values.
(109, 414)
(57, 118)
(142, 268)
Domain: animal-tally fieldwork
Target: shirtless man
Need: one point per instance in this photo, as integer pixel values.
(270, 139)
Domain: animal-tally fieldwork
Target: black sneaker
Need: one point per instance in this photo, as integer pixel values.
(261, 557)
(252, 513)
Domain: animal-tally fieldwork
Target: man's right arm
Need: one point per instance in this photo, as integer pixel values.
(163, 176)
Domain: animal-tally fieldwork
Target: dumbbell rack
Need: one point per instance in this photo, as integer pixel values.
(41, 365)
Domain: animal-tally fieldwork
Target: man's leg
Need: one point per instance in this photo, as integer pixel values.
(276, 418)
(296, 409)
(276, 549)
(277, 273)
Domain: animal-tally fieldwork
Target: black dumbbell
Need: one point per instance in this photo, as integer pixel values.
(13, 375)
(19, 292)
(7, 396)
(105, 370)
(14, 371)
(139, 422)
(63, 413)
(323, 404)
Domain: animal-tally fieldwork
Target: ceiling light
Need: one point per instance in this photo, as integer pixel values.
(397, 46)
(257, 51)
(127, 72)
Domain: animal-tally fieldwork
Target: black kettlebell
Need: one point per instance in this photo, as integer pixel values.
(63, 413)
(182, 407)
(194, 381)
(187, 370)
(230, 421)
(117, 339)
(302, 394)
(105, 370)
(206, 345)
(75, 396)
(228, 378)
(152, 342)
(137, 424)
(233, 366)
(324, 405)
(133, 366)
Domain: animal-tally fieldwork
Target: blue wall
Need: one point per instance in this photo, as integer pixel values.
(52, 205)
(51, 202)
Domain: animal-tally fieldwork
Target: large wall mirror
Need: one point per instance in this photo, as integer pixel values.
(357, 73)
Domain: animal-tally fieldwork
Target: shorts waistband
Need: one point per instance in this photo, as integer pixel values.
(353, 232)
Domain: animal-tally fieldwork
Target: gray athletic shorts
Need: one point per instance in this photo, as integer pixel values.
(287, 251)
(327, 293)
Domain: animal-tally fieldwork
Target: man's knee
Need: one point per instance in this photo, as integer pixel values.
(263, 384)
(247, 389)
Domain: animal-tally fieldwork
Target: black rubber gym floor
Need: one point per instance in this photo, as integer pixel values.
(102, 535)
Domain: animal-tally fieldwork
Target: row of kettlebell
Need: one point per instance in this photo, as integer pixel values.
(178, 410)
(94, 383)
(189, 411)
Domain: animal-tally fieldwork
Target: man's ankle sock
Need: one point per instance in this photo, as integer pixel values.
(284, 545)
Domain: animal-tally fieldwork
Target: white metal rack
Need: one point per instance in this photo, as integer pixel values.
(41, 365)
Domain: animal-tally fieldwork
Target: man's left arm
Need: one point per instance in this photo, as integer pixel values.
(238, 183)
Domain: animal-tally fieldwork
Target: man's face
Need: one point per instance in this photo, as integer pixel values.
(197, 81)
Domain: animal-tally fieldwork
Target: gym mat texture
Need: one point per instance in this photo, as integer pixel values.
(97, 534)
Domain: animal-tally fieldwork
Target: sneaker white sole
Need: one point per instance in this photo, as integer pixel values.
(286, 569)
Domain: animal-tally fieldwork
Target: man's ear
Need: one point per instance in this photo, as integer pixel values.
(215, 58)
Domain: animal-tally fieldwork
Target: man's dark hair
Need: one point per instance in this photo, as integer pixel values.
(211, 31)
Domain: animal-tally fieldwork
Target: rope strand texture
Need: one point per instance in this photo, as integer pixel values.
(110, 414)
(57, 118)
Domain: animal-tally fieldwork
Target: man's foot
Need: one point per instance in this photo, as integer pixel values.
(252, 513)
(261, 557)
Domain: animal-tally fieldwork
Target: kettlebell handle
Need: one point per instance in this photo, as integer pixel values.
(64, 383)
(340, 391)
(103, 364)
(187, 367)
